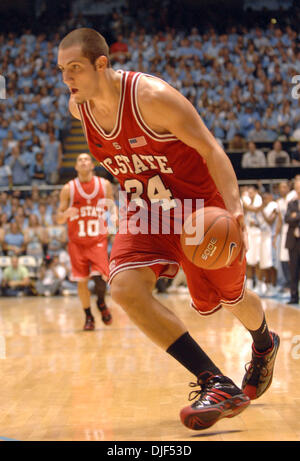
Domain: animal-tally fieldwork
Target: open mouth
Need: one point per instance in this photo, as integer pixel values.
(74, 90)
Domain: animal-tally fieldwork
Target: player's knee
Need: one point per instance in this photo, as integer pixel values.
(121, 292)
(127, 290)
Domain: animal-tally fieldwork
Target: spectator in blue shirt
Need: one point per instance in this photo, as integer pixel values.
(14, 240)
(18, 167)
(5, 174)
(247, 120)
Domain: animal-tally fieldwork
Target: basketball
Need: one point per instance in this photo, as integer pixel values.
(211, 238)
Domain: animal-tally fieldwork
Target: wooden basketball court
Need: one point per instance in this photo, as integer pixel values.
(60, 383)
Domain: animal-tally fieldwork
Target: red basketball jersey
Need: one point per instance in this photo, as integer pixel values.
(148, 165)
(88, 227)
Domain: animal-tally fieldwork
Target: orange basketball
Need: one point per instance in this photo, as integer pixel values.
(211, 238)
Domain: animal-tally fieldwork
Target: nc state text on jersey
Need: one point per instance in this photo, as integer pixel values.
(136, 164)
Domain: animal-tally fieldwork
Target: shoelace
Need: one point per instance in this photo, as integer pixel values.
(257, 364)
(203, 389)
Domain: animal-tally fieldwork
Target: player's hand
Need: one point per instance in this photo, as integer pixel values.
(71, 212)
(241, 222)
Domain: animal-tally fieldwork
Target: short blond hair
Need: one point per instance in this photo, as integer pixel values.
(92, 43)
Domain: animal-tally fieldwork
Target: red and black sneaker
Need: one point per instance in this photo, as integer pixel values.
(259, 372)
(89, 323)
(105, 314)
(218, 398)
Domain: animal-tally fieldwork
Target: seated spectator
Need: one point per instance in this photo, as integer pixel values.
(4, 202)
(286, 134)
(56, 237)
(237, 143)
(5, 174)
(13, 243)
(15, 281)
(18, 167)
(258, 134)
(48, 283)
(277, 156)
(269, 123)
(253, 158)
(5, 150)
(52, 158)
(295, 155)
(11, 141)
(4, 223)
(37, 170)
(36, 144)
(35, 237)
(119, 48)
(43, 215)
(35, 198)
(20, 218)
(28, 206)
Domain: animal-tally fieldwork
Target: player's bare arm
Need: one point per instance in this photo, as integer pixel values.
(64, 211)
(111, 201)
(164, 109)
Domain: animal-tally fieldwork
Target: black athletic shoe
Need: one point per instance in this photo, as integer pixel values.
(105, 314)
(89, 323)
(259, 372)
(218, 398)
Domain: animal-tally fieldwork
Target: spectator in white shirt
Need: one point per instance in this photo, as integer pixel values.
(253, 158)
(277, 156)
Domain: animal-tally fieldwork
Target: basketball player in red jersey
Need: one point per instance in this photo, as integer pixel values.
(81, 205)
(154, 142)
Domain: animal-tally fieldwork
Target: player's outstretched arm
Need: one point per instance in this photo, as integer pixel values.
(164, 109)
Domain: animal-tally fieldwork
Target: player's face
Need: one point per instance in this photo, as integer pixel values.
(84, 164)
(78, 74)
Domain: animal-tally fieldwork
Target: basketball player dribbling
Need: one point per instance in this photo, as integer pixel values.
(153, 141)
(82, 206)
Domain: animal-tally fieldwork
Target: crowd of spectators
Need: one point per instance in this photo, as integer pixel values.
(29, 230)
(33, 246)
(39, 262)
(239, 79)
(33, 114)
(276, 156)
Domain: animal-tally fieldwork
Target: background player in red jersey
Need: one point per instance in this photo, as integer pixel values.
(152, 139)
(82, 205)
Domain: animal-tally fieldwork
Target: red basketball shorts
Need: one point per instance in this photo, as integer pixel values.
(209, 289)
(87, 261)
